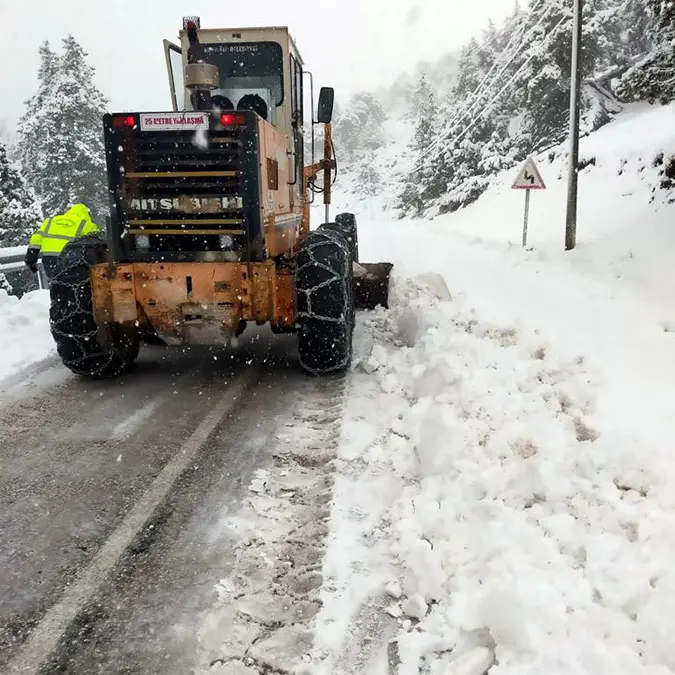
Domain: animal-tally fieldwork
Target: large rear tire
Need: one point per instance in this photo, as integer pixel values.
(325, 303)
(83, 347)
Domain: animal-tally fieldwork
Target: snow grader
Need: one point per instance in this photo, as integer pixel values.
(209, 224)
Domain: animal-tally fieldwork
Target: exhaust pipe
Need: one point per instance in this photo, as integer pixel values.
(201, 78)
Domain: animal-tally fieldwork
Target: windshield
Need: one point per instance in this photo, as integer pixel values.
(247, 70)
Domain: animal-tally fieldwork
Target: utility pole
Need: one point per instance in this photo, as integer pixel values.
(575, 95)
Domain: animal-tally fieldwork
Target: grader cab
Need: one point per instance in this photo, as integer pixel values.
(209, 225)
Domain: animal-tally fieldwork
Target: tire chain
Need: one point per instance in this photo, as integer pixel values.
(345, 280)
(75, 301)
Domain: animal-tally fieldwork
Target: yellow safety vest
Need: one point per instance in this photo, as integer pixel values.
(57, 231)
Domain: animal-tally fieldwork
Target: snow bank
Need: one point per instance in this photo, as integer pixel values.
(14, 250)
(24, 331)
(611, 300)
(507, 528)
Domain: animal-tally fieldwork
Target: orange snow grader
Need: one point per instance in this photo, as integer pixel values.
(209, 225)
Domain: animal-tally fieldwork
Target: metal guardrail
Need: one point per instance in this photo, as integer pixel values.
(11, 260)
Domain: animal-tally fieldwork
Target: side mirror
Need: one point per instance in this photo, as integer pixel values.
(324, 113)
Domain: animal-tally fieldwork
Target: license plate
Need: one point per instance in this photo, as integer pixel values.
(174, 121)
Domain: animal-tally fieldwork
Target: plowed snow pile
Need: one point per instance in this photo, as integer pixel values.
(505, 499)
(481, 519)
(24, 331)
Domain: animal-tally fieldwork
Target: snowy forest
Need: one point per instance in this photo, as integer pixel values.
(504, 96)
(54, 159)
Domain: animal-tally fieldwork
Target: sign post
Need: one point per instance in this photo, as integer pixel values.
(528, 178)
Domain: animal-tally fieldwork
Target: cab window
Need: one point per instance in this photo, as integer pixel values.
(296, 83)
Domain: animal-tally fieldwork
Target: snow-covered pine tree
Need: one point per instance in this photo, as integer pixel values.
(543, 85)
(470, 72)
(20, 213)
(368, 178)
(541, 91)
(360, 122)
(623, 27)
(346, 133)
(604, 51)
(62, 136)
(424, 111)
(602, 33)
(473, 147)
(20, 216)
(653, 78)
(31, 129)
(429, 174)
(372, 140)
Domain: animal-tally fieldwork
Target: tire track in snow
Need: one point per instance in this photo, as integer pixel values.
(262, 623)
(355, 628)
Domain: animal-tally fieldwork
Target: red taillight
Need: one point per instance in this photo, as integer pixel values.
(123, 121)
(228, 119)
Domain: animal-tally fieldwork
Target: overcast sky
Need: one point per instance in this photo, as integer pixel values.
(349, 44)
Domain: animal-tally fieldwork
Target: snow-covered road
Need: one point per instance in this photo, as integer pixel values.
(161, 523)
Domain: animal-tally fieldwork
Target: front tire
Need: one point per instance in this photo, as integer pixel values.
(83, 347)
(325, 303)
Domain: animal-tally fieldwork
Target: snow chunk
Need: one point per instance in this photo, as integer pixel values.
(283, 651)
(393, 589)
(476, 662)
(415, 607)
(259, 483)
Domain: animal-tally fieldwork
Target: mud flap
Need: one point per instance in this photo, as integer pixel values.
(371, 285)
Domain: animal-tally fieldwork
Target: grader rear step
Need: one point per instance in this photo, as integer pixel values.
(209, 225)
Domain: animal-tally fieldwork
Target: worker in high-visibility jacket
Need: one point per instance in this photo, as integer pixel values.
(55, 233)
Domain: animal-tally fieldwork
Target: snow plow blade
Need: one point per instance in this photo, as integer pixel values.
(371, 285)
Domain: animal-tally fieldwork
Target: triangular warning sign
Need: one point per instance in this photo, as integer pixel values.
(528, 177)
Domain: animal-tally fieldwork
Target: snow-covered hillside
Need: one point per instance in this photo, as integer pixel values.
(507, 96)
(505, 493)
(624, 233)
